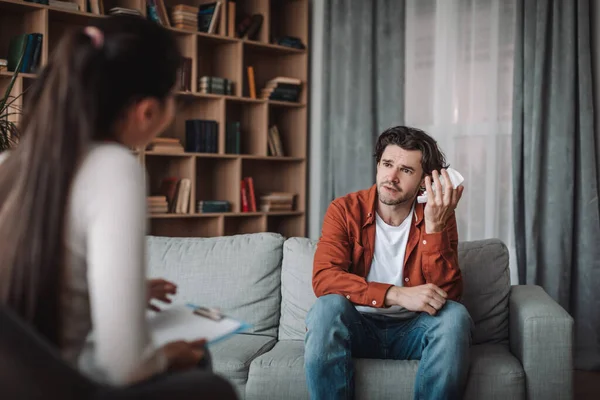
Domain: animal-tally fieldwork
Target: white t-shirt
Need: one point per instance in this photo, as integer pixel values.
(388, 261)
(105, 270)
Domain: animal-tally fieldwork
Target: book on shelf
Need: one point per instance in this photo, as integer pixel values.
(165, 145)
(185, 74)
(201, 136)
(277, 201)
(230, 21)
(28, 46)
(249, 26)
(248, 195)
(208, 16)
(282, 89)
(274, 142)
(215, 85)
(289, 41)
(213, 206)
(233, 138)
(177, 192)
(251, 82)
(157, 12)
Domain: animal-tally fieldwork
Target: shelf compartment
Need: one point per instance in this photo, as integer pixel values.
(218, 179)
(240, 224)
(286, 225)
(192, 107)
(253, 125)
(161, 167)
(16, 19)
(216, 57)
(290, 17)
(291, 124)
(187, 227)
(286, 177)
(251, 7)
(268, 65)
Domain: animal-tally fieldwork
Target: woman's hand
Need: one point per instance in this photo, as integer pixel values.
(160, 289)
(182, 355)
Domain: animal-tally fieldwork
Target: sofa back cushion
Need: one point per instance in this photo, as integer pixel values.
(240, 274)
(484, 265)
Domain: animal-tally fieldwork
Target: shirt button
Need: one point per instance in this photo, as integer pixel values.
(348, 296)
(424, 241)
(374, 302)
(406, 279)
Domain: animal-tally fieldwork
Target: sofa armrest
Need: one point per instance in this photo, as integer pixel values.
(541, 337)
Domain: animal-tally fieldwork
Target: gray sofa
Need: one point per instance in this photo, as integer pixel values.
(522, 339)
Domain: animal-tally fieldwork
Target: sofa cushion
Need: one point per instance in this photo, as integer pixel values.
(486, 278)
(231, 358)
(239, 274)
(279, 374)
(297, 295)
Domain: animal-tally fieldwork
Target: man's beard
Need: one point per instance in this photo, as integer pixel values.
(404, 197)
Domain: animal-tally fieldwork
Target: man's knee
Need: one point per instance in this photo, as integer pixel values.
(329, 308)
(454, 318)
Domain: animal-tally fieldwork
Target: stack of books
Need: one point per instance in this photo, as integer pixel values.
(215, 85)
(157, 204)
(201, 136)
(277, 201)
(165, 145)
(123, 11)
(282, 88)
(65, 5)
(213, 206)
(184, 17)
(233, 138)
(290, 41)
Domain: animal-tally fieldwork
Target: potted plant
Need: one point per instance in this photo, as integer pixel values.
(9, 131)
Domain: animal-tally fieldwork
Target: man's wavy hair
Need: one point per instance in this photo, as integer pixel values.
(413, 139)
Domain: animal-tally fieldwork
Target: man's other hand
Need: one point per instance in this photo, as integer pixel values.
(423, 298)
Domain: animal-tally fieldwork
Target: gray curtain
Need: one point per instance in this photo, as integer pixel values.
(363, 89)
(556, 210)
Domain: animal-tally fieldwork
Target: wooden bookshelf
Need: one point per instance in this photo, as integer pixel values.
(214, 176)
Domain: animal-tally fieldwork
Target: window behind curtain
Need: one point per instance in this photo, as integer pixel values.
(459, 74)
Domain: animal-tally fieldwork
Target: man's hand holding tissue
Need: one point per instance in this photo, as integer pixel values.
(440, 204)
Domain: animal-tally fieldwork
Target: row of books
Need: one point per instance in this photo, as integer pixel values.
(176, 191)
(215, 85)
(201, 136)
(28, 46)
(274, 142)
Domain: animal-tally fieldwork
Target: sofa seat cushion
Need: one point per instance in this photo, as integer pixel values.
(231, 358)
(279, 374)
(486, 281)
(239, 274)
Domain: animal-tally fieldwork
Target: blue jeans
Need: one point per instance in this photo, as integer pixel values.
(337, 332)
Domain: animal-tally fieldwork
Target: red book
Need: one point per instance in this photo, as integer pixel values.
(251, 196)
(244, 197)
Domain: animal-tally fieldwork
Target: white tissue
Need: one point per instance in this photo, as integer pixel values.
(455, 177)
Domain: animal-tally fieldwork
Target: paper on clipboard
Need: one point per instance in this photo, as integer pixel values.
(178, 322)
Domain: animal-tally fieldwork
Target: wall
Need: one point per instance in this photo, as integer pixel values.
(595, 26)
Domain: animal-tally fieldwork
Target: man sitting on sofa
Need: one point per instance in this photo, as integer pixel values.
(386, 276)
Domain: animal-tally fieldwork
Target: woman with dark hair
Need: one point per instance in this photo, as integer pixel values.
(73, 198)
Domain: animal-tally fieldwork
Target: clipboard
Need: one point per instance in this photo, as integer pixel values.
(184, 322)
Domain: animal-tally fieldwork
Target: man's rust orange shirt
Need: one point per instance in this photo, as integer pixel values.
(345, 251)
